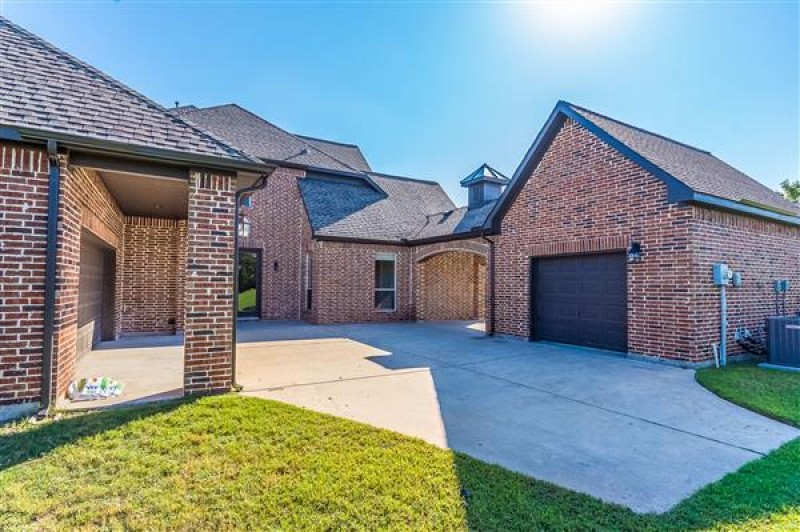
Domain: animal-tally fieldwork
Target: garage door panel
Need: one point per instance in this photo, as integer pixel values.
(96, 276)
(581, 300)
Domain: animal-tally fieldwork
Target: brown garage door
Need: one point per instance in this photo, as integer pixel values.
(580, 300)
(95, 292)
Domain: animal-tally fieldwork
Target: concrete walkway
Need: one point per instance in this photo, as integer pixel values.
(634, 433)
(150, 368)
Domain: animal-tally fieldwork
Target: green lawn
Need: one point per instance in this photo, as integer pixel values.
(234, 462)
(774, 393)
(247, 300)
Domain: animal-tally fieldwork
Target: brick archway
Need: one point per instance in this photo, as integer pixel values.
(451, 285)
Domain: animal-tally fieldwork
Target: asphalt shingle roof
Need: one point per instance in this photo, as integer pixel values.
(44, 88)
(355, 209)
(350, 154)
(698, 169)
(261, 138)
(461, 220)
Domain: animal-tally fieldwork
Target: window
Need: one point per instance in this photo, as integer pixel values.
(385, 282)
(309, 293)
(244, 227)
(247, 201)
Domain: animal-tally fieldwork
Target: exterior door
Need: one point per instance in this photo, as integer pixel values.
(249, 296)
(95, 293)
(581, 300)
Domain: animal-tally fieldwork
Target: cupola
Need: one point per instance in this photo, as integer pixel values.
(484, 184)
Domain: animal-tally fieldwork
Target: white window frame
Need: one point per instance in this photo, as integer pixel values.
(245, 227)
(247, 201)
(387, 257)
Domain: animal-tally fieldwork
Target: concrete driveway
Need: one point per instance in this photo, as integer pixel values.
(635, 433)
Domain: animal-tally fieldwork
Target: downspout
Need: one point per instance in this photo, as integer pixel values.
(490, 290)
(258, 185)
(54, 185)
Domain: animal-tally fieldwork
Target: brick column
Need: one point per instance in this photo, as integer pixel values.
(23, 240)
(68, 260)
(208, 293)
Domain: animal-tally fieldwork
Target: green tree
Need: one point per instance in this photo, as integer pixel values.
(791, 189)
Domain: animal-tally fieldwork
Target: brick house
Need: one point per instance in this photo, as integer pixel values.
(117, 218)
(120, 217)
(333, 241)
(623, 260)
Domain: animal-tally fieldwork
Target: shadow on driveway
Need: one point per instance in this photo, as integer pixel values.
(639, 434)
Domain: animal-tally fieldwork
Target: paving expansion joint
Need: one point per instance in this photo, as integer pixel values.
(465, 367)
(566, 397)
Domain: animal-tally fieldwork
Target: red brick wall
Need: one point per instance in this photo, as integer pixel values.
(582, 197)
(763, 251)
(478, 277)
(84, 203)
(23, 241)
(154, 260)
(279, 227)
(450, 286)
(208, 341)
(344, 283)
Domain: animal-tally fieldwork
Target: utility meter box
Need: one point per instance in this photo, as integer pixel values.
(722, 275)
(782, 286)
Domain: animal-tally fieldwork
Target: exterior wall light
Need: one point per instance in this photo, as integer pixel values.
(635, 252)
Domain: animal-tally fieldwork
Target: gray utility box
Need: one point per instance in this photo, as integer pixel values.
(783, 335)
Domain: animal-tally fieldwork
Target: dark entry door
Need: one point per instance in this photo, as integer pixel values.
(581, 300)
(249, 283)
(95, 293)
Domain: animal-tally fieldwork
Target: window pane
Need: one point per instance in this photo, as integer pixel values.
(248, 281)
(244, 228)
(384, 274)
(384, 299)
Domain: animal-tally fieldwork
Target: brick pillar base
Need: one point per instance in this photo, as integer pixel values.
(208, 294)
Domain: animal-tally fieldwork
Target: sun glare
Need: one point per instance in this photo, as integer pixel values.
(562, 16)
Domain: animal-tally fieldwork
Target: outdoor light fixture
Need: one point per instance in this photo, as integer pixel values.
(635, 252)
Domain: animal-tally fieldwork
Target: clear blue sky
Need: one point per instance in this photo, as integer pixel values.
(432, 92)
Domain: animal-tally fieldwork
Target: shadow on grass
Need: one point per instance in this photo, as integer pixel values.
(31, 443)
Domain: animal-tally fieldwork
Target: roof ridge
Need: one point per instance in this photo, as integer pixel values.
(640, 129)
(402, 177)
(454, 209)
(118, 84)
(212, 136)
(309, 137)
(248, 111)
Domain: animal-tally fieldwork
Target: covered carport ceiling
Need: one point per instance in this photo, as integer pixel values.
(156, 197)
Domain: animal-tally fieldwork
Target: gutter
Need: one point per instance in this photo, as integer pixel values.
(405, 241)
(135, 151)
(258, 185)
(54, 185)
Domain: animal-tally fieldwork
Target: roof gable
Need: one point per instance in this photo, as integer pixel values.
(698, 169)
(43, 88)
(691, 175)
(261, 137)
(355, 210)
(350, 154)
